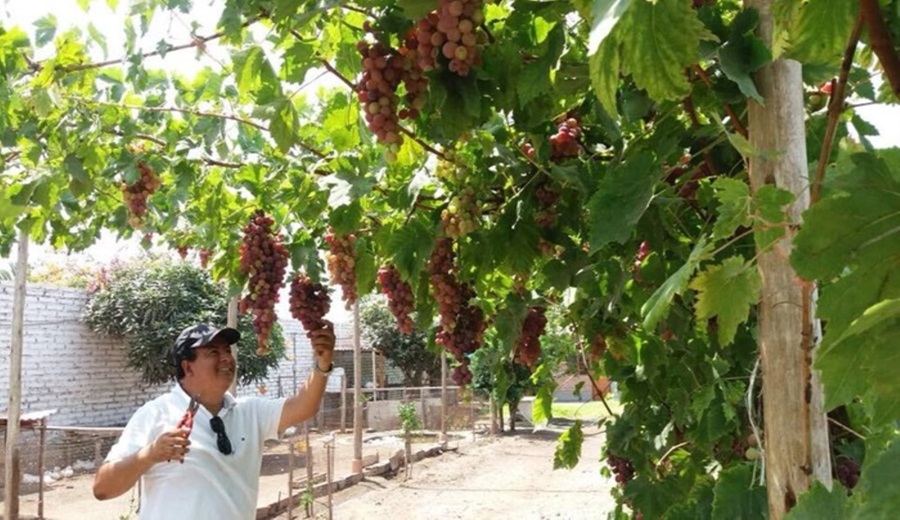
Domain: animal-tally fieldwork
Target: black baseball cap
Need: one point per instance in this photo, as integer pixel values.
(201, 335)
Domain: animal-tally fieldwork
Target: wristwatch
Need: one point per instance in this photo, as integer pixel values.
(324, 372)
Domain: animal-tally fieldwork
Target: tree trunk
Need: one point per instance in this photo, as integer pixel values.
(796, 436)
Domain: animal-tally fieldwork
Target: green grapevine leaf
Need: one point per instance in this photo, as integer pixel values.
(568, 447)
(604, 70)
(417, 9)
(820, 504)
(45, 30)
(622, 196)
(877, 494)
(657, 306)
(542, 406)
(736, 496)
(813, 20)
(734, 206)
(660, 40)
(284, 124)
(859, 225)
(744, 53)
(769, 215)
(865, 360)
(727, 291)
(605, 14)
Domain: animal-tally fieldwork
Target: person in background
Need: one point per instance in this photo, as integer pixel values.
(202, 461)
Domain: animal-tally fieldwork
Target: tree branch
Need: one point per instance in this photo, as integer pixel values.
(334, 71)
(594, 383)
(198, 113)
(198, 41)
(735, 120)
(835, 108)
(213, 162)
(880, 41)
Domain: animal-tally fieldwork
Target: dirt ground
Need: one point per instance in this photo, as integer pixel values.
(506, 476)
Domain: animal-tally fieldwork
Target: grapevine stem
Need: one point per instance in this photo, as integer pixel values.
(594, 383)
(835, 108)
(199, 41)
(846, 428)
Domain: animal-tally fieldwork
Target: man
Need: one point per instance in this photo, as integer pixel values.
(208, 469)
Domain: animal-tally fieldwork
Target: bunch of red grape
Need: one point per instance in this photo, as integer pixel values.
(309, 301)
(462, 325)
(264, 257)
(528, 344)
(136, 194)
(400, 297)
(621, 468)
(547, 197)
(461, 375)
(847, 471)
(342, 263)
(462, 215)
(182, 251)
(384, 69)
(528, 150)
(205, 254)
(564, 143)
(452, 32)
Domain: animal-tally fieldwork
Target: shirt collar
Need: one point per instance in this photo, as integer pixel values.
(183, 399)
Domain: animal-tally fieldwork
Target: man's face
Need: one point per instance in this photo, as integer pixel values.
(214, 364)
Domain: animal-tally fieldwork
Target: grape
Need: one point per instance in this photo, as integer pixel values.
(462, 215)
(400, 297)
(462, 325)
(528, 344)
(621, 468)
(341, 264)
(547, 196)
(205, 254)
(564, 143)
(310, 302)
(136, 194)
(264, 257)
(847, 472)
(384, 69)
(183, 251)
(461, 374)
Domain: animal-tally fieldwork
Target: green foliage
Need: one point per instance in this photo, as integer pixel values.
(871, 497)
(409, 419)
(737, 497)
(568, 447)
(660, 91)
(149, 304)
(847, 240)
(727, 292)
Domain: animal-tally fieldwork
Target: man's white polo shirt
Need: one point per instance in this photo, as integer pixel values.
(209, 485)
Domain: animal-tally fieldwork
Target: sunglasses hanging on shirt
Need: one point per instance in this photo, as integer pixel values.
(222, 441)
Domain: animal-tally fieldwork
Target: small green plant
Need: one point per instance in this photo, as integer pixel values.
(410, 423)
(409, 419)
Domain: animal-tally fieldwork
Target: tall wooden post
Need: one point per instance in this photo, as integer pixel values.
(796, 435)
(357, 394)
(14, 409)
(443, 437)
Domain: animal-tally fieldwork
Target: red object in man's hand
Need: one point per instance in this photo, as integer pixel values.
(187, 420)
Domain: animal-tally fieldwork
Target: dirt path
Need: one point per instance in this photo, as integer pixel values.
(510, 476)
